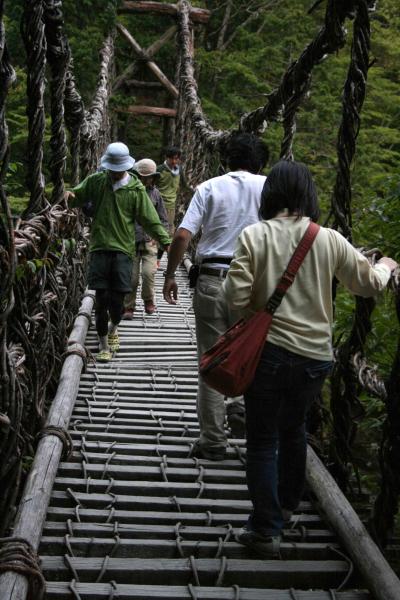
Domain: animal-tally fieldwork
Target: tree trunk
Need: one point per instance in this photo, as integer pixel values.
(225, 23)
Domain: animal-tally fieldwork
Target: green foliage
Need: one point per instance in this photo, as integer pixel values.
(87, 23)
(236, 80)
(93, 17)
(31, 267)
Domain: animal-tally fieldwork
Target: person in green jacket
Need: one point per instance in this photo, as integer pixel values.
(168, 183)
(118, 199)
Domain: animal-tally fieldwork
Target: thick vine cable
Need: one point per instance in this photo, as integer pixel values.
(7, 273)
(345, 404)
(387, 501)
(58, 57)
(35, 45)
(37, 308)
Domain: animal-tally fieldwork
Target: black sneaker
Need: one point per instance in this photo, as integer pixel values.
(207, 453)
(265, 546)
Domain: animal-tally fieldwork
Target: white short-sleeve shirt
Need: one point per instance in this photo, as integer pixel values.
(221, 207)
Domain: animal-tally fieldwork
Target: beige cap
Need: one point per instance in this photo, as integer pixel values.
(146, 168)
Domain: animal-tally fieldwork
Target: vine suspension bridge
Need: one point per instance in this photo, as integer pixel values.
(114, 505)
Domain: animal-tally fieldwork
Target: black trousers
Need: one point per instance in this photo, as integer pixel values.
(109, 303)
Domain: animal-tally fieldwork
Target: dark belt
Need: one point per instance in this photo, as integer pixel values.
(225, 260)
(215, 272)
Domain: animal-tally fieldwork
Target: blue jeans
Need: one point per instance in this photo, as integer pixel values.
(284, 386)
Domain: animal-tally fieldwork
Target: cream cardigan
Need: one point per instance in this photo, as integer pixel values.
(303, 322)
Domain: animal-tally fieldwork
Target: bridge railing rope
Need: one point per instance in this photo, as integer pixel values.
(42, 254)
(200, 142)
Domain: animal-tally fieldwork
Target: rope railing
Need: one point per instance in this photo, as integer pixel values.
(58, 57)
(198, 140)
(195, 135)
(346, 407)
(42, 256)
(35, 45)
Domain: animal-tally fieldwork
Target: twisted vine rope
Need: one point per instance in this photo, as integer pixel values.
(7, 270)
(197, 138)
(35, 45)
(16, 554)
(387, 502)
(345, 388)
(96, 126)
(74, 117)
(199, 142)
(48, 251)
(58, 57)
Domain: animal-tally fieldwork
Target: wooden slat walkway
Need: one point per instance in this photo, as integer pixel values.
(133, 516)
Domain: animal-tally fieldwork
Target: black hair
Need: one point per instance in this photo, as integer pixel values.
(246, 151)
(289, 185)
(173, 151)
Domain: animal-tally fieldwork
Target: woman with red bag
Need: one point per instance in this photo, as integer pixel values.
(298, 354)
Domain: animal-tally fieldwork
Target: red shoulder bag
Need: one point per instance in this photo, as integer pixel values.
(230, 364)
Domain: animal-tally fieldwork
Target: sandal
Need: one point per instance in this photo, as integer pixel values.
(113, 342)
(104, 356)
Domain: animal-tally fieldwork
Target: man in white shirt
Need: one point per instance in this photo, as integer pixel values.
(221, 207)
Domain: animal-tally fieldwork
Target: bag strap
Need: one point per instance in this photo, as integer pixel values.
(292, 268)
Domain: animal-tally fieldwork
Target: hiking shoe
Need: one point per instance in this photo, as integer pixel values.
(236, 417)
(104, 356)
(149, 307)
(265, 546)
(113, 342)
(207, 453)
(128, 314)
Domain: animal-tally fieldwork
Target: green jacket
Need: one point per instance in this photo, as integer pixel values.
(168, 185)
(115, 213)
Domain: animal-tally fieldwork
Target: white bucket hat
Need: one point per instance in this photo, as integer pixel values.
(146, 168)
(117, 158)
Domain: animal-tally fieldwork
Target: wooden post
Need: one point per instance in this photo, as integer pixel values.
(143, 84)
(150, 52)
(197, 15)
(35, 500)
(158, 111)
(380, 578)
(152, 65)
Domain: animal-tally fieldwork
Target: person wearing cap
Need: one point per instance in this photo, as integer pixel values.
(119, 200)
(146, 248)
(169, 181)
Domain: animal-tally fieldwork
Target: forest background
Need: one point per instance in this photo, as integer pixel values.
(241, 54)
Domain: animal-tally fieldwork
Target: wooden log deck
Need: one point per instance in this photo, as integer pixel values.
(132, 515)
